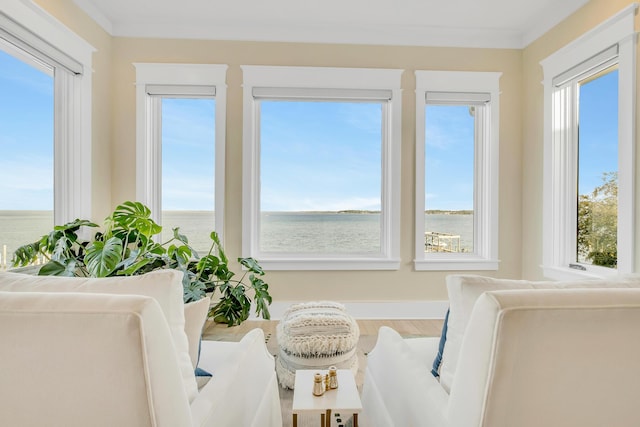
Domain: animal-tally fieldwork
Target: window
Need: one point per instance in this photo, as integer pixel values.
(45, 117)
(321, 177)
(597, 215)
(181, 116)
(457, 170)
(589, 153)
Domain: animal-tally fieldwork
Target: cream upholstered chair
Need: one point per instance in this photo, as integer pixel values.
(528, 357)
(113, 352)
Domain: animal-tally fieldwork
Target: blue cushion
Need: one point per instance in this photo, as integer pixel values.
(443, 339)
(202, 373)
(199, 371)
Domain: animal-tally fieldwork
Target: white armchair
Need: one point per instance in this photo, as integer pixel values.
(553, 358)
(80, 352)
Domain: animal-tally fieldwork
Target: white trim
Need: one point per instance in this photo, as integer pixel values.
(485, 256)
(292, 262)
(73, 111)
(332, 79)
(39, 22)
(559, 210)
(605, 35)
(149, 121)
(426, 309)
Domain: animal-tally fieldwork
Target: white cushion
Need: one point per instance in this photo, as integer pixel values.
(165, 286)
(83, 359)
(552, 358)
(464, 290)
(195, 315)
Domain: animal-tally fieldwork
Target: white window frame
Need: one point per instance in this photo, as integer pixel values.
(207, 80)
(466, 84)
(37, 32)
(310, 83)
(560, 148)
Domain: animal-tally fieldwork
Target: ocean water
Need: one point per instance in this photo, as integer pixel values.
(18, 228)
(320, 232)
(345, 233)
(299, 232)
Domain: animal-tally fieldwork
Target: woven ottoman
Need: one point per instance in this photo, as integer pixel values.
(315, 335)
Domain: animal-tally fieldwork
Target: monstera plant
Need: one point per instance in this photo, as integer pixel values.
(127, 246)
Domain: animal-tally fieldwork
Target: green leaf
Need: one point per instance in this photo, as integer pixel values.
(193, 290)
(102, 258)
(231, 311)
(26, 255)
(208, 264)
(181, 254)
(180, 237)
(135, 216)
(251, 265)
(75, 225)
(61, 249)
(55, 268)
(218, 246)
(134, 268)
(157, 249)
(262, 298)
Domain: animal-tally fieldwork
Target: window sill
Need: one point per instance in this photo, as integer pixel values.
(566, 273)
(329, 264)
(456, 264)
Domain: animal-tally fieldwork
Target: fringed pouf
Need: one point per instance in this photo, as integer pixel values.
(315, 335)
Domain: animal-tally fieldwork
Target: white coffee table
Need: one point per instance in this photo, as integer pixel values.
(343, 399)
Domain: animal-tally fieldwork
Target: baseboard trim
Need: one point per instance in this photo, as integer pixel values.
(377, 310)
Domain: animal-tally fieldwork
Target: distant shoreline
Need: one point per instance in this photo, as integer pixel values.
(443, 212)
(345, 211)
(359, 211)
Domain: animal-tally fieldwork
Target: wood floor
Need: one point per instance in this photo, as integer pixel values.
(405, 327)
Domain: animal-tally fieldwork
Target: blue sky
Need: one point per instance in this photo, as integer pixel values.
(449, 153)
(598, 131)
(331, 161)
(188, 154)
(26, 136)
(315, 155)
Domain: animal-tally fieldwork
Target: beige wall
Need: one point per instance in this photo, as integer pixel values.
(404, 284)
(589, 16)
(114, 141)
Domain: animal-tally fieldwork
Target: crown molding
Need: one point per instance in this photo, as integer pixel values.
(340, 34)
(373, 34)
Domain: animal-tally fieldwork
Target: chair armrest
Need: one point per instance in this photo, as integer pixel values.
(399, 389)
(243, 390)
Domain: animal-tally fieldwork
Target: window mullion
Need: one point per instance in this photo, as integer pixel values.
(626, 155)
(385, 196)
(67, 153)
(155, 157)
(564, 173)
(480, 173)
(571, 186)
